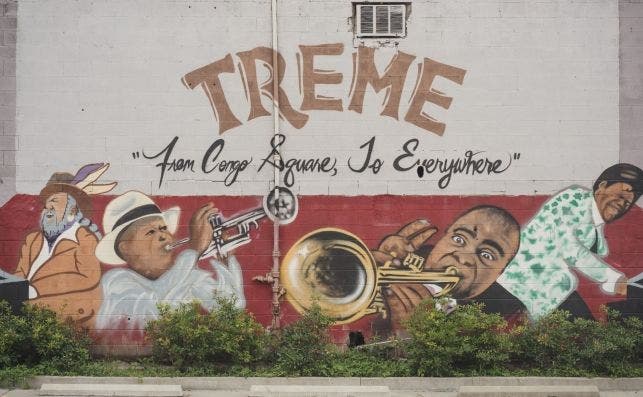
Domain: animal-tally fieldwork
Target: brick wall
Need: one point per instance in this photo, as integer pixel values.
(541, 81)
(631, 80)
(537, 96)
(8, 11)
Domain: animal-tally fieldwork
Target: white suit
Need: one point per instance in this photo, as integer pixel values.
(127, 294)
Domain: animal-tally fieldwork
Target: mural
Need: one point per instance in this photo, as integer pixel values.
(567, 233)
(335, 268)
(401, 175)
(478, 245)
(139, 238)
(483, 255)
(58, 260)
(492, 261)
(138, 233)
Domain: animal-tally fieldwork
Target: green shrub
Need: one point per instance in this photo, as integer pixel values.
(185, 335)
(14, 337)
(368, 363)
(37, 336)
(465, 342)
(558, 344)
(303, 347)
(16, 376)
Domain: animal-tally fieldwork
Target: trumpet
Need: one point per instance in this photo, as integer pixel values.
(335, 269)
(280, 206)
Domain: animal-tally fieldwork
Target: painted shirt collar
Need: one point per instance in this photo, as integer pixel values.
(596, 215)
(68, 234)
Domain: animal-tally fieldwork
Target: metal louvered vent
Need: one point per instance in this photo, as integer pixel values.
(381, 20)
(366, 19)
(396, 19)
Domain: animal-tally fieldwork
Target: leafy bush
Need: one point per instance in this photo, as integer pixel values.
(228, 341)
(556, 343)
(16, 376)
(466, 341)
(185, 335)
(14, 337)
(39, 337)
(303, 348)
(368, 363)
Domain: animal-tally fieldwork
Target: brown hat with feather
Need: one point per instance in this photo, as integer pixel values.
(79, 186)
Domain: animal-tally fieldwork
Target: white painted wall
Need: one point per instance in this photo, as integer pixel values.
(631, 81)
(8, 20)
(100, 80)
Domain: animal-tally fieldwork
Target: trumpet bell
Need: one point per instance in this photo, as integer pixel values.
(330, 267)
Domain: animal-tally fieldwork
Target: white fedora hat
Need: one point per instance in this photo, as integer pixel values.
(122, 212)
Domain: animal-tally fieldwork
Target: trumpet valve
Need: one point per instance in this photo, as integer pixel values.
(215, 220)
(415, 263)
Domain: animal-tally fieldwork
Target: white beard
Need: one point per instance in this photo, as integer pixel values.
(52, 228)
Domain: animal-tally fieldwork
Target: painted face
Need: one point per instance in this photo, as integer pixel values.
(58, 213)
(142, 246)
(479, 247)
(54, 209)
(613, 201)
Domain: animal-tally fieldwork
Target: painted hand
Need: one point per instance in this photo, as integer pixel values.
(621, 286)
(394, 248)
(402, 299)
(200, 228)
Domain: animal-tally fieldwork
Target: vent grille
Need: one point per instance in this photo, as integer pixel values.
(366, 19)
(381, 20)
(397, 19)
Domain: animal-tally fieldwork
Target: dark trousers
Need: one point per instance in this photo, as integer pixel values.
(576, 306)
(499, 300)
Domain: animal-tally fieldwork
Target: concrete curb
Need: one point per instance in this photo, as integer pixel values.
(529, 391)
(325, 391)
(410, 383)
(111, 390)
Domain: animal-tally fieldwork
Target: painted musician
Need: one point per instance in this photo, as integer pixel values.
(479, 244)
(568, 233)
(137, 235)
(58, 260)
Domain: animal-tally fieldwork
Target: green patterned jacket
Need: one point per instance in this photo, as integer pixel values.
(558, 238)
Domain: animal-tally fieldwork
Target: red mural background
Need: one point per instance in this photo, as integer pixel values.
(369, 217)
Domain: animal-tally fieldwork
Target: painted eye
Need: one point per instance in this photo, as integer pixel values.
(163, 228)
(458, 239)
(487, 255)
(150, 232)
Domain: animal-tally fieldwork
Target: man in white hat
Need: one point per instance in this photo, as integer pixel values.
(137, 234)
(58, 260)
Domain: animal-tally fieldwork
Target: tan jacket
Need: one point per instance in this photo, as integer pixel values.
(69, 281)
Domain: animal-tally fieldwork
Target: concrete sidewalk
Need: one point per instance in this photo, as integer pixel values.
(403, 387)
(244, 393)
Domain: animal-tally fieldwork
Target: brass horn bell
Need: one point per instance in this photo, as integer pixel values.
(335, 269)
